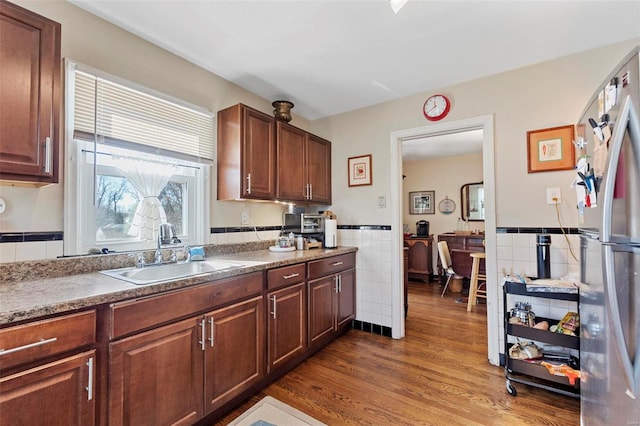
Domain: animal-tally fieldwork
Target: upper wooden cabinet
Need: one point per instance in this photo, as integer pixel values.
(260, 158)
(30, 83)
(246, 154)
(304, 166)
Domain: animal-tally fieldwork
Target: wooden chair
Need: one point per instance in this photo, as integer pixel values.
(476, 278)
(445, 260)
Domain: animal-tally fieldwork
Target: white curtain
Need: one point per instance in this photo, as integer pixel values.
(149, 179)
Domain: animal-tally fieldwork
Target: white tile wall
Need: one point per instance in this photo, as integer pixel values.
(17, 252)
(516, 254)
(373, 272)
(242, 237)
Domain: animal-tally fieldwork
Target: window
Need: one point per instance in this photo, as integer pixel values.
(134, 160)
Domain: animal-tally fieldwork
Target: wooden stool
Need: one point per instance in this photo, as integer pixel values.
(476, 278)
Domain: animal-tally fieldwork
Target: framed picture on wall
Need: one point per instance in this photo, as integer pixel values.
(360, 170)
(550, 149)
(422, 202)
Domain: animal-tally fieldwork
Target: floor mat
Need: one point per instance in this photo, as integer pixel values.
(271, 412)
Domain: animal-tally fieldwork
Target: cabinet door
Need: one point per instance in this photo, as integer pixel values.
(29, 95)
(155, 378)
(420, 257)
(234, 353)
(287, 331)
(292, 174)
(258, 155)
(346, 297)
(318, 163)
(321, 308)
(58, 393)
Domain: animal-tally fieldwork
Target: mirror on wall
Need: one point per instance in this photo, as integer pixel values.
(472, 201)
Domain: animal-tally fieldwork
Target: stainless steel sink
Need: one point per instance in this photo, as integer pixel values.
(167, 272)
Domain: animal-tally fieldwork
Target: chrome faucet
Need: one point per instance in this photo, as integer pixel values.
(157, 257)
(166, 236)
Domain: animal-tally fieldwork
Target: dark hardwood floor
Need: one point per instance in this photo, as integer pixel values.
(437, 375)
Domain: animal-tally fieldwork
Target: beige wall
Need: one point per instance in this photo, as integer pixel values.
(445, 176)
(94, 42)
(535, 97)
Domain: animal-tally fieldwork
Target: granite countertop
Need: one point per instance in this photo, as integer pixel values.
(32, 298)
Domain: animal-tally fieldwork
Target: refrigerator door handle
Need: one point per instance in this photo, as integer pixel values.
(627, 118)
(631, 367)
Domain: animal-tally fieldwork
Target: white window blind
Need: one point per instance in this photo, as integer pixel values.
(121, 115)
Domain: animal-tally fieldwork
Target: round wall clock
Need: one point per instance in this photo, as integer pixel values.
(436, 107)
(446, 206)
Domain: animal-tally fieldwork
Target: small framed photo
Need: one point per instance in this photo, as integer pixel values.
(551, 149)
(422, 202)
(360, 170)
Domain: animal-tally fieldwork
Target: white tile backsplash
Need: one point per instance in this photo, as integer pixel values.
(31, 251)
(7, 252)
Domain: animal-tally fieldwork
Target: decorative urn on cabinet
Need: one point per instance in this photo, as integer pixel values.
(282, 110)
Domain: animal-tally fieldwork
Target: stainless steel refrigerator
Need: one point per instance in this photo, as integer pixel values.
(609, 203)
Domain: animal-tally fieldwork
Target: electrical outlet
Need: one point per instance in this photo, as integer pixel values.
(382, 202)
(554, 196)
(245, 218)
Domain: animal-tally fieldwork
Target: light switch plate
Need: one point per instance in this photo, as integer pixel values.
(382, 202)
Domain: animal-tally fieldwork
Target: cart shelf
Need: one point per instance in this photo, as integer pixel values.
(532, 373)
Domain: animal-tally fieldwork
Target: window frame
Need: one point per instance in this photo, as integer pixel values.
(80, 212)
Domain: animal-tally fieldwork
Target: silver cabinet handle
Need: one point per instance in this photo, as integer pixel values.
(89, 387)
(201, 341)
(311, 191)
(287, 277)
(274, 300)
(29, 346)
(336, 287)
(340, 283)
(48, 154)
(625, 120)
(337, 263)
(630, 367)
(249, 183)
(212, 326)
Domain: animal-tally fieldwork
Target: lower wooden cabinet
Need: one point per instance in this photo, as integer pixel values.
(234, 351)
(178, 373)
(286, 325)
(156, 377)
(58, 393)
(331, 304)
(420, 257)
(346, 297)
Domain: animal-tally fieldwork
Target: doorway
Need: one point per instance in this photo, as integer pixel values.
(485, 123)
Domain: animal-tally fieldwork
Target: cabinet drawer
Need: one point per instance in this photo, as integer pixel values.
(128, 317)
(37, 340)
(286, 275)
(320, 268)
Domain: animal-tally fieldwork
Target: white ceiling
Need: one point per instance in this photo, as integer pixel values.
(446, 145)
(330, 56)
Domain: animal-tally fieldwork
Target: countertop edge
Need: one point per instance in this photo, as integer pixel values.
(30, 300)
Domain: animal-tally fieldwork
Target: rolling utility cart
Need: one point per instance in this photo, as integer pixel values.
(535, 374)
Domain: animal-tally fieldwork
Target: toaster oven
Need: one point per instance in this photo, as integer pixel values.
(304, 223)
